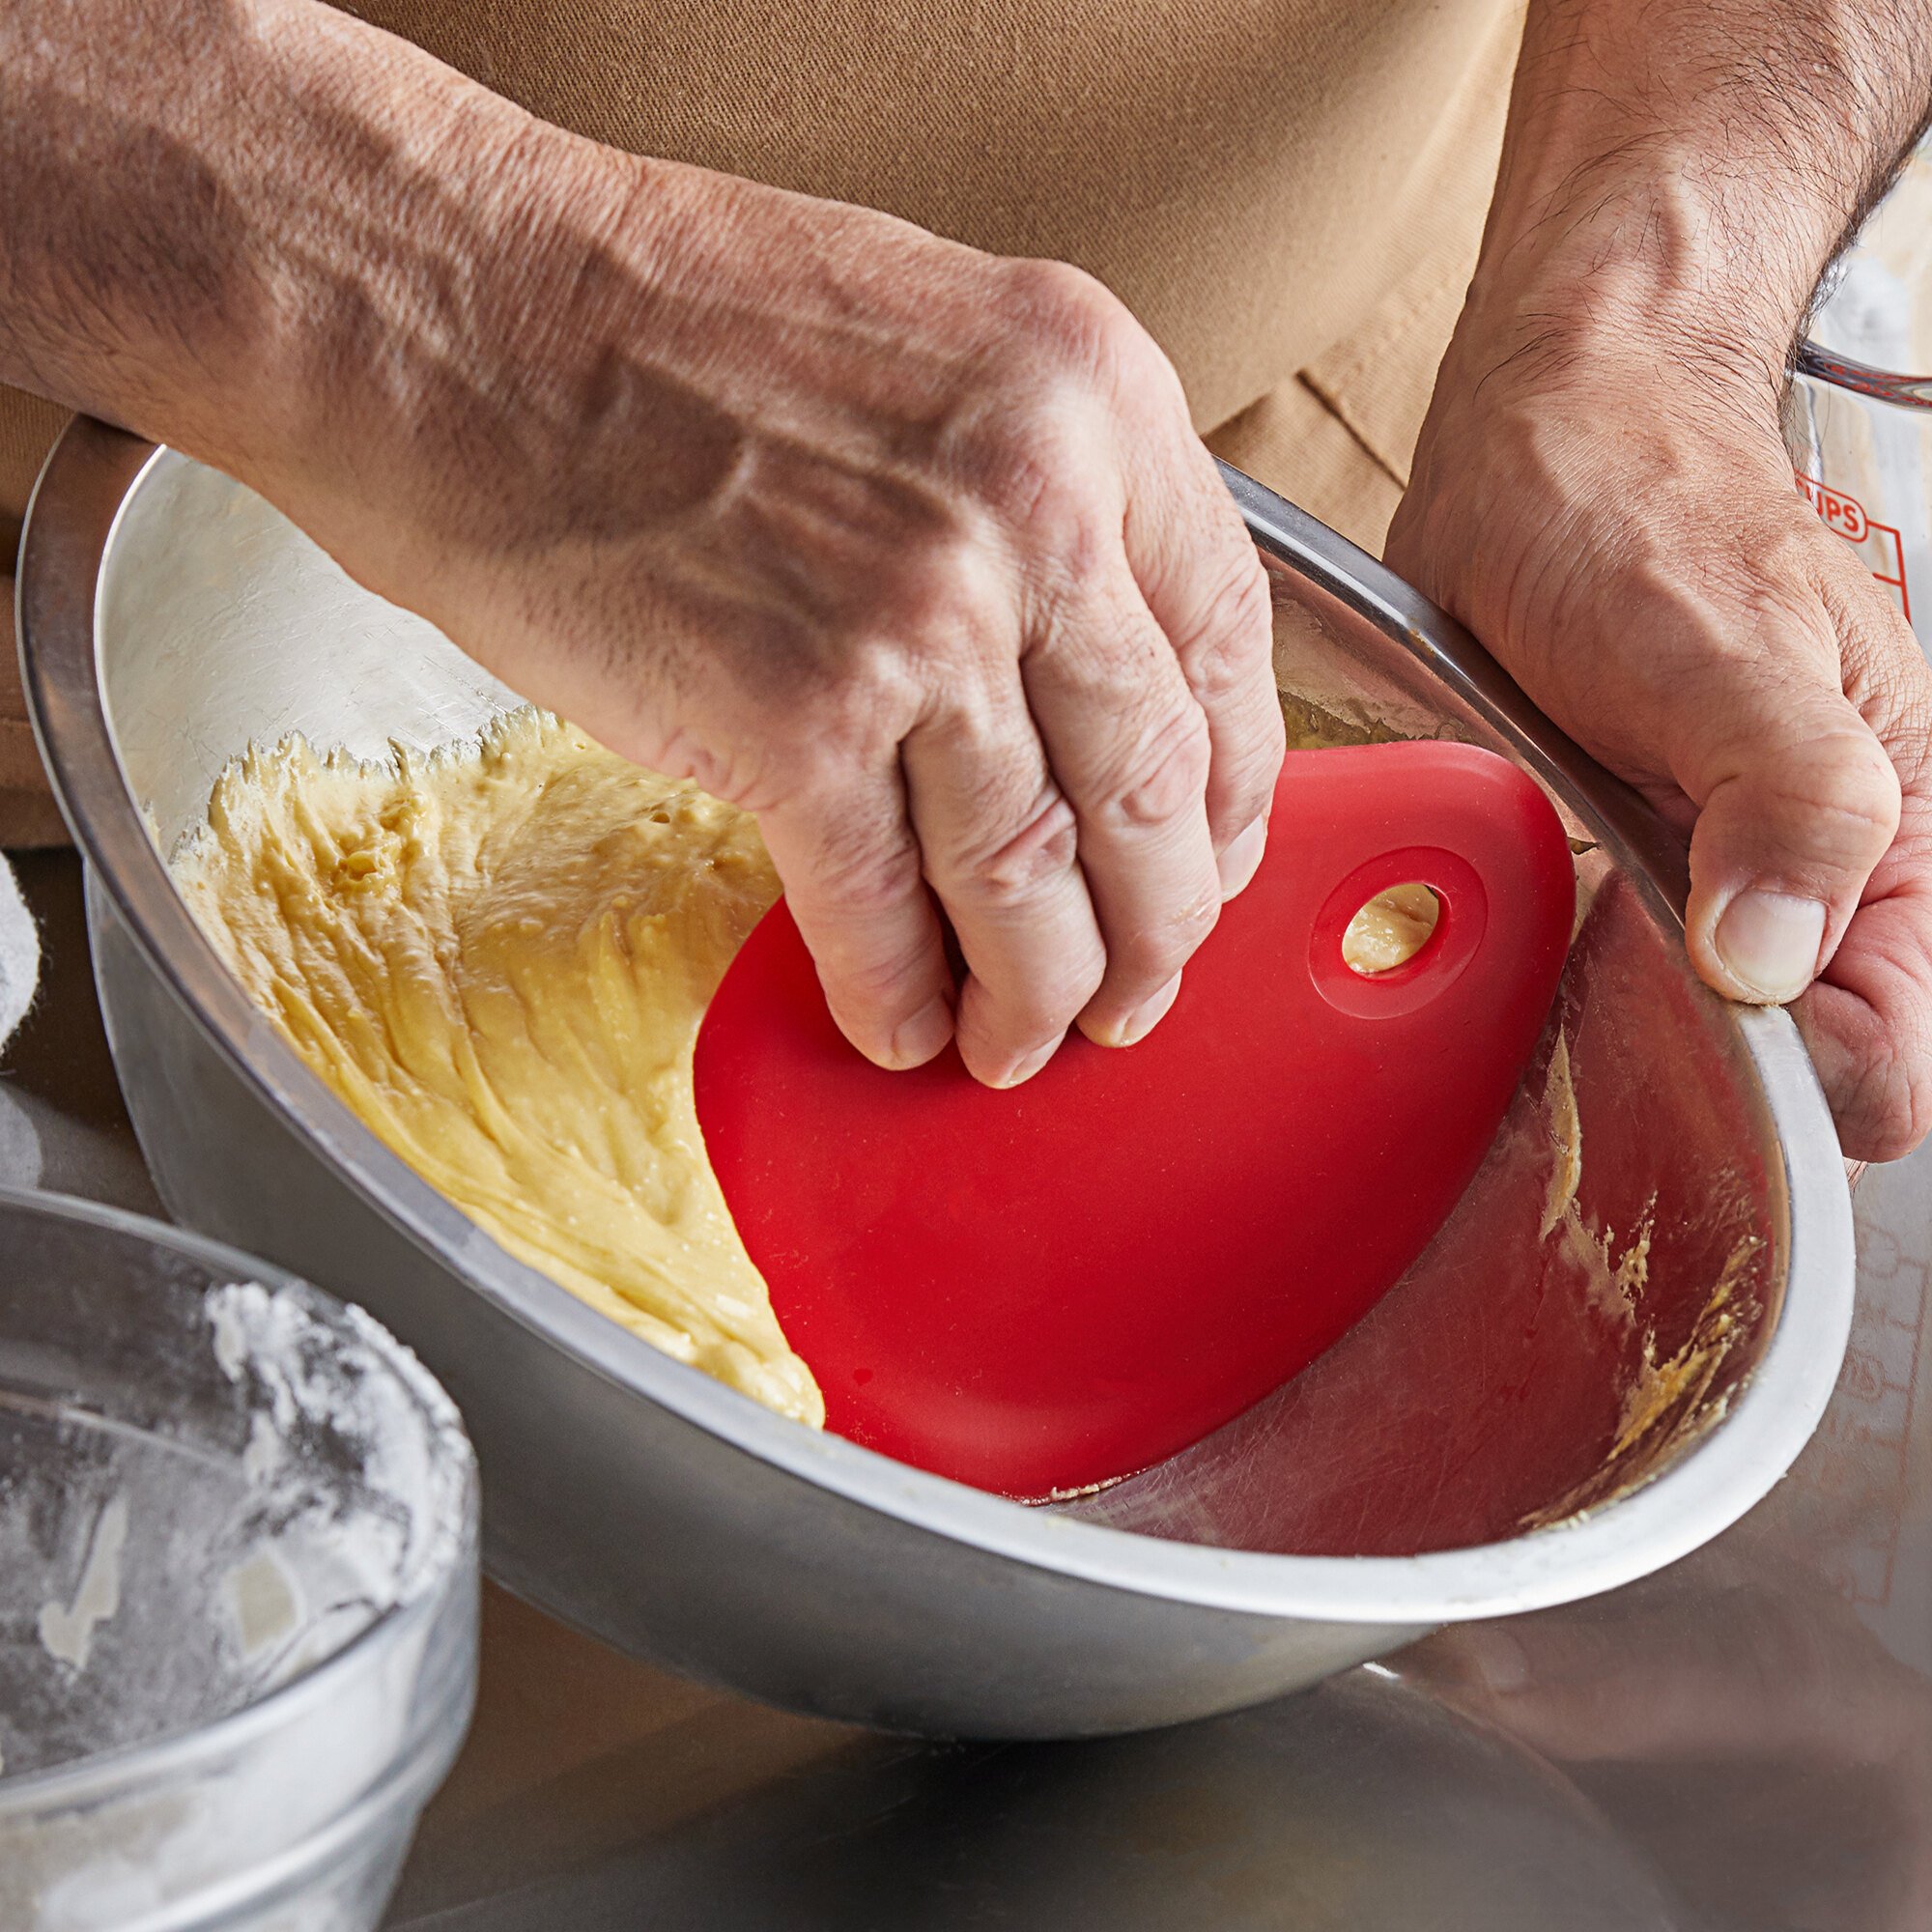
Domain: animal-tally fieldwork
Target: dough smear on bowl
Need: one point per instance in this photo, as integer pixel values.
(497, 955)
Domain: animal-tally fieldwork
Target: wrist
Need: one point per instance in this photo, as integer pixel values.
(1677, 175)
(1587, 313)
(1608, 251)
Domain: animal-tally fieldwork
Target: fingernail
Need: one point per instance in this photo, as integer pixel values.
(1769, 941)
(1239, 862)
(1149, 1015)
(1496, 1659)
(918, 1039)
(1023, 1070)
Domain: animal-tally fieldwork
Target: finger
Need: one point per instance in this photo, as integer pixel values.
(1868, 1020)
(851, 871)
(1130, 749)
(1203, 579)
(1782, 849)
(1867, 1023)
(1000, 846)
(1798, 803)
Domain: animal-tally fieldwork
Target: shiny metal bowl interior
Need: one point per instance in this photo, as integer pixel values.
(238, 1586)
(1486, 1441)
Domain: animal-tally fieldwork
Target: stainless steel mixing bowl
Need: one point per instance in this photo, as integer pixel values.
(1529, 1417)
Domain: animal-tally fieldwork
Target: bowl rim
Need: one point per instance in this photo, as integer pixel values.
(79, 501)
(448, 1553)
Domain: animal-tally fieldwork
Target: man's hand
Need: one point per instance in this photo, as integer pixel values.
(1602, 493)
(909, 550)
(1631, 543)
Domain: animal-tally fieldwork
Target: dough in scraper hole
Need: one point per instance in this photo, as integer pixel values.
(498, 957)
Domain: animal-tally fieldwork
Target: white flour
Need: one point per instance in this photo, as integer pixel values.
(66, 1630)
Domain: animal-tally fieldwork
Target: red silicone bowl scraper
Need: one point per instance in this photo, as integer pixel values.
(1041, 1289)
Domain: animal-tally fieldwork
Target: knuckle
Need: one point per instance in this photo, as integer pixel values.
(1066, 305)
(1247, 765)
(1029, 460)
(947, 586)
(1015, 870)
(853, 723)
(1848, 792)
(1164, 774)
(1886, 1112)
(1026, 473)
(1231, 642)
(1868, 1024)
(1255, 769)
(1904, 710)
(860, 872)
(1084, 327)
(1890, 683)
(874, 985)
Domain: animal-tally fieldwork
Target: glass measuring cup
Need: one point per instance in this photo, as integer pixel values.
(1858, 424)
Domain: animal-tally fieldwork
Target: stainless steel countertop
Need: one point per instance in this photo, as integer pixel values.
(1742, 1744)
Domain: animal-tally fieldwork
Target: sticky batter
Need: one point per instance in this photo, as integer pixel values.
(498, 959)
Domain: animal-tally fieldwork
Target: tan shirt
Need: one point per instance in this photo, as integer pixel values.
(1288, 193)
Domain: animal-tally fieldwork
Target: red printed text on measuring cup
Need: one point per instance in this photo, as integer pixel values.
(1880, 544)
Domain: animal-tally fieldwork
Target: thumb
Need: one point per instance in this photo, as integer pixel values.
(1798, 803)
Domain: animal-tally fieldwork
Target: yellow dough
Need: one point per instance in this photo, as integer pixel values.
(1391, 929)
(499, 958)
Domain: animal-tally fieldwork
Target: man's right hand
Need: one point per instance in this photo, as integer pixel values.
(909, 550)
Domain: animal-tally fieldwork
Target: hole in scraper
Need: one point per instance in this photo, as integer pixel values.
(1390, 929)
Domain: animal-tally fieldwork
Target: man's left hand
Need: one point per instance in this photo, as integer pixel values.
(1602, 493)
(1628, 539)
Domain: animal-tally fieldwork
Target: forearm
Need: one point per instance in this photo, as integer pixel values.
(1690, 167)
(236, 224)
